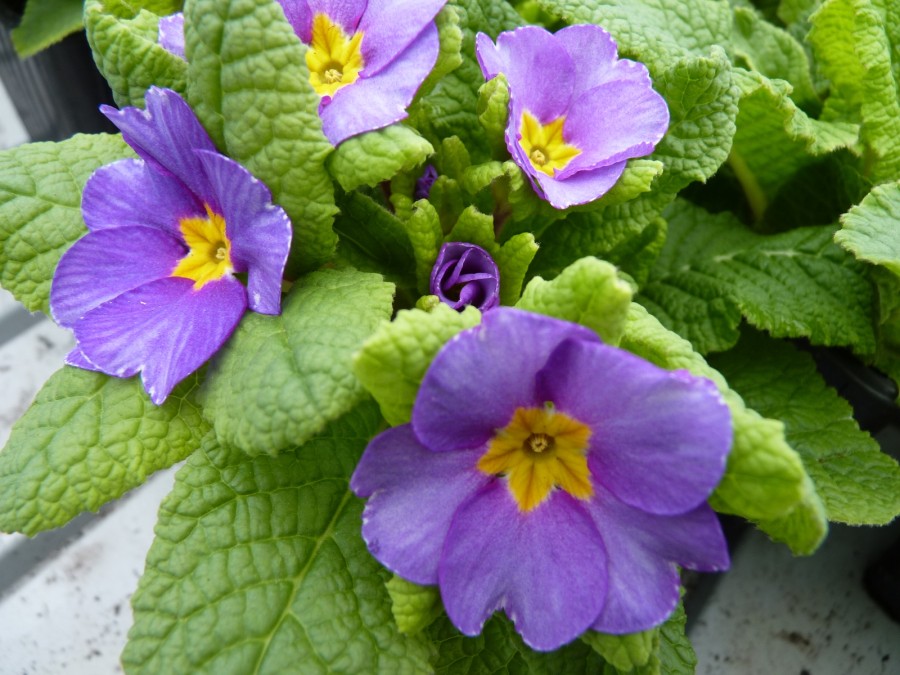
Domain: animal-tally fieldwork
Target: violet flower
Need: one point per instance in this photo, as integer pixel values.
(551, 476)
(576, 111)
(171, 33)
(151, 287)
(425, 182)
(466, 274)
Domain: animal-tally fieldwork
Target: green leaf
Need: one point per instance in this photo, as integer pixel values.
(500, 651)
(493, 113)
(764, 479)
(450, 38)
(40, 208)
(425, 236)
(589, 292)
(858, 483)
(392, 363)
(258, 567)
(127, 52)
(373, 157)
(414, 607)
(712, 265)
(86, 440)
(280, 379)
(870, 229)
(804, 527)
(853, 51)
(676, 655)
(249, 84)
(45, 22)
(624, 652)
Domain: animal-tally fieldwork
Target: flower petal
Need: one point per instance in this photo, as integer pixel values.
(413, 494)
(78, 360)
(260, 232)
(583, 187)
(642, 551)
(171, 33)
(378, 101)
(660, 437)
(594, 53)
(128, 193)
(389, 28)
(613, 122)
(165, 329)
(164, 135)
(102, 265)
(299, 15)
(546, 569)
(345, 13)
(482, 375)
(540, 73)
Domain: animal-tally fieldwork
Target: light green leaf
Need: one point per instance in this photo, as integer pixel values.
(624, 652)
(373, 157)
(764, 478)
(426, 236)
(392, 363)
(804, 527)
(854, 52)
(280, 379)
(127, 51)
(450, 38)
(45, 22)
(712, 264)
(40, 208)
(258, 567)
(676, 655)
(414, 607)
(499, 650)
(493, 113)
(589, 292)
(476, 228)
(858, 483)
(87, 439)
(453, 158)
(249, 84)
(871, 230)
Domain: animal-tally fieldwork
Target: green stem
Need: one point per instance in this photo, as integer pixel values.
(754, 193)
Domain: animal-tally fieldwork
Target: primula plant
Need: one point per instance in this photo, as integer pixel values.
(533, 291)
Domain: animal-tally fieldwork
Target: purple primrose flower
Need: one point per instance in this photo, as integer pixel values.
(466, 274)
(551, 476)
(151, 287)
(425, 182)
(576, 111)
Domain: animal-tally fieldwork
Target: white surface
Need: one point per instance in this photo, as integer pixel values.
(12, 131)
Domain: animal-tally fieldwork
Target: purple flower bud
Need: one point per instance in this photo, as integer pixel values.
(465, 274)
(423, 185)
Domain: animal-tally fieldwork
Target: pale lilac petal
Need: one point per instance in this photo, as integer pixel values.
(481, 376)
(78, 360)
(300, 17)
(643, 550)
(540, 72)
(165, 329)
(164, 135)
(413, 494)
(171, 33)
(660, 438)
(345, 13)
(388, 28)
(376, 102)
(614, 122)
(102, 265)
(128, 193)
(583, 187)
(594, 53)
(260, 232)
(546, 569)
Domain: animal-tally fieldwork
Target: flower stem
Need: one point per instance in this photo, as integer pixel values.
(754, 193)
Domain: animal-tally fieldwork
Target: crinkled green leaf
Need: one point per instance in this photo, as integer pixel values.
(676, 655)
(280, 379)
(249, 84)
(858, 483)
(127, 52)
(45, 22)
(804, 527)
(447, 197)
(414, 607)
(373, 157)
(376, 237)
(258, 567)
(425, 236)
(589, 292)
(794, 284)
(493, 113)
(854, 52)
(499, 650)
(624, 652)
(40, 208)
(764, 479)
(871, 230)
(392, 363)
(453, 157)
(86, 440)
(450, 38)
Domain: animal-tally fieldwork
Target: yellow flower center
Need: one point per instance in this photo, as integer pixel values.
(334, 60)
(544, 144)
(539, 450)
(209, 257)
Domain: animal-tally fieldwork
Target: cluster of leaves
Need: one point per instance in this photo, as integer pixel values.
(709, 255)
